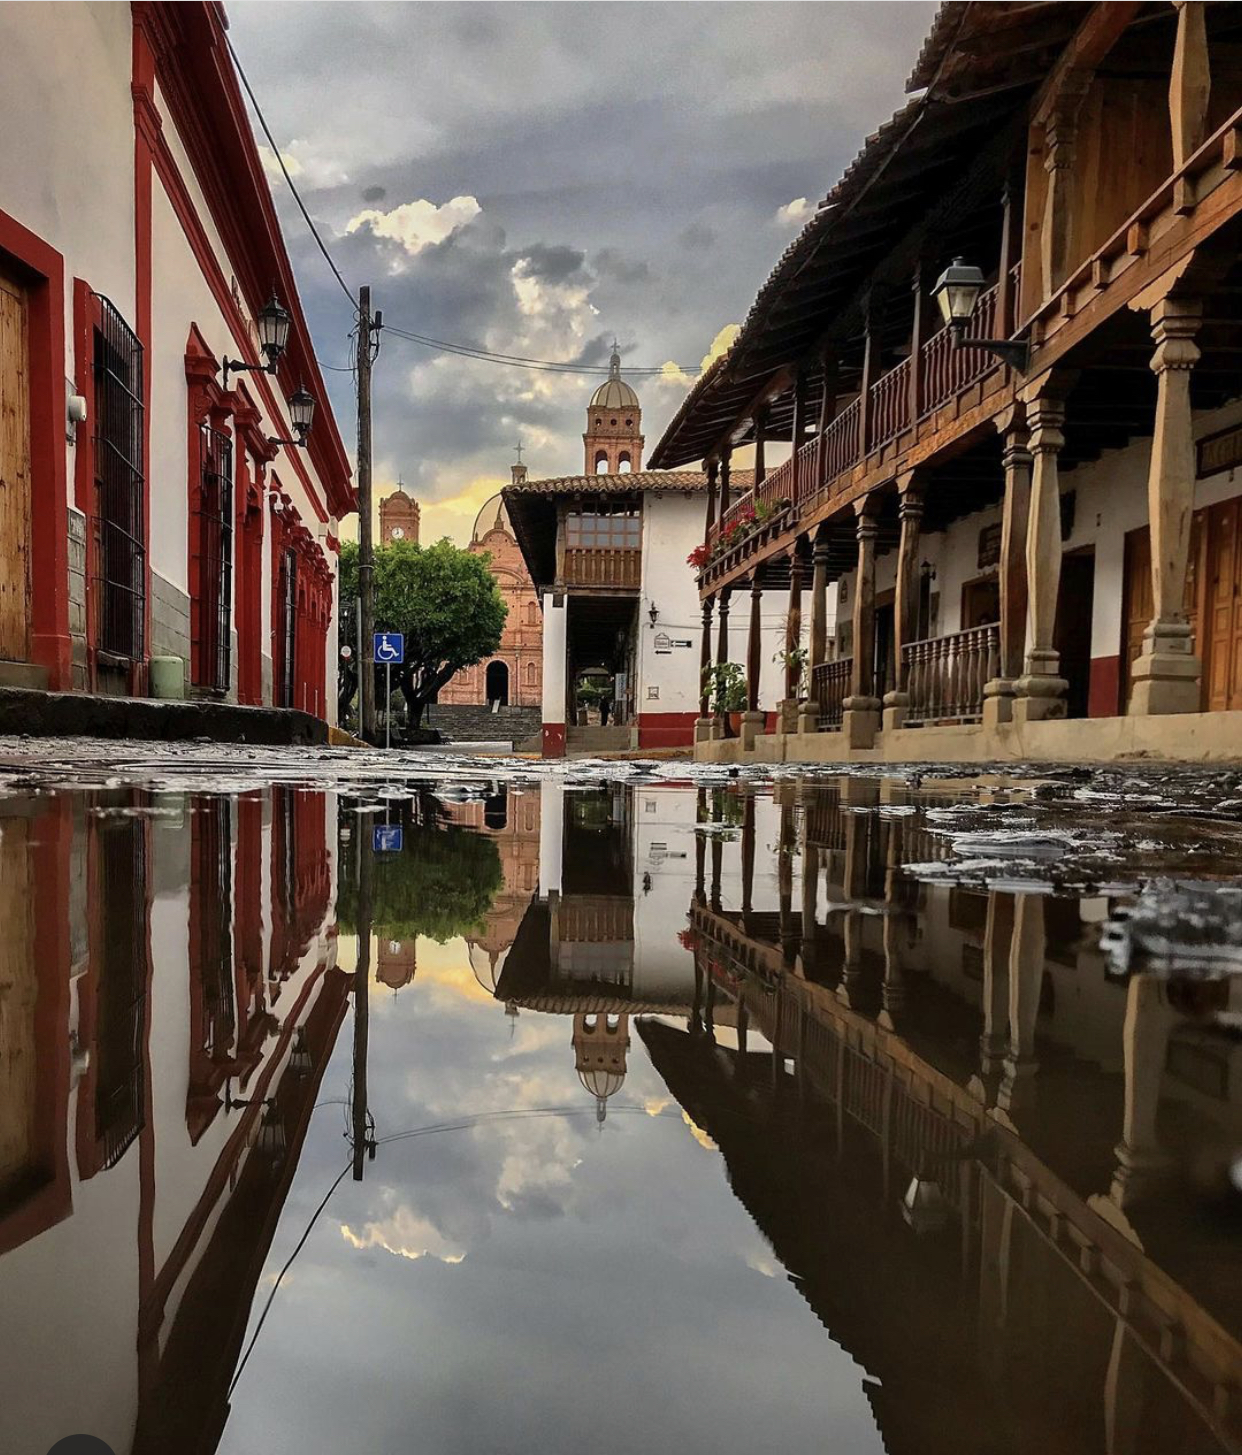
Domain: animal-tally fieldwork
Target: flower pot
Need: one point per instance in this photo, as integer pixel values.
(735, 724)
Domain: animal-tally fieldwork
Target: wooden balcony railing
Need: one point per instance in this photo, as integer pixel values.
(613, 567)
(946, 675)
(890, 406)
(830, 686)
(945, 371)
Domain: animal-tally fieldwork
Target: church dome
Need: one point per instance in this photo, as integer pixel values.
(493, 516)
(614, 392)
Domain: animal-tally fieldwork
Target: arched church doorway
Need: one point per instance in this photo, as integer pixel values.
(498, 683)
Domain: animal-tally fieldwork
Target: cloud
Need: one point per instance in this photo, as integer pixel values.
(794, 213)
(303, 164)
(405, 1235)
(698, 237)
(613, 263)
(721, 343)
(419, 224)
(374, 194)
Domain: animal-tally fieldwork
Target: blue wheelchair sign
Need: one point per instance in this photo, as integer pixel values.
(389, 649)
(386, 838)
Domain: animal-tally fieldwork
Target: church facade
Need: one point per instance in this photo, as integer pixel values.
(513, 675)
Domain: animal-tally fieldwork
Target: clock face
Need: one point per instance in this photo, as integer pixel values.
(398, 534)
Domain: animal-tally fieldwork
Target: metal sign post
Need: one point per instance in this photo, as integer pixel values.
(389, 649)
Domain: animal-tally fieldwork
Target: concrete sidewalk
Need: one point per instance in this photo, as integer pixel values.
(82, 714)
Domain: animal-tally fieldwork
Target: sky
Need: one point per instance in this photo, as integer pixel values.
(541, 178)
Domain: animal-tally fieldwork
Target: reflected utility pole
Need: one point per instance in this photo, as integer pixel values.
(362, 996)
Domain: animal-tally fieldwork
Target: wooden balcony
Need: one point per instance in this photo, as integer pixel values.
(825, 466)
(946, 675)
(620, 568)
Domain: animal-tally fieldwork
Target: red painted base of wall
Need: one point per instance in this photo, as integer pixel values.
(1104, 687)
(666, 729)
(554, 740)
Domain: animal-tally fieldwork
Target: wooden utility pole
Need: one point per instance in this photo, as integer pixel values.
(366, 556)
(362, 983)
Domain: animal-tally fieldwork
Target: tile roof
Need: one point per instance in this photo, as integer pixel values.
(647, 480)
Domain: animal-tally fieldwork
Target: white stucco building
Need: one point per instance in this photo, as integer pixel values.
(167, 503)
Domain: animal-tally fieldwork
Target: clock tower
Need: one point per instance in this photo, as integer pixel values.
(399, 514)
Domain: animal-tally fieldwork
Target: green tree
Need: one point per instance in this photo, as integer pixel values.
(445, 602)
(442, 884)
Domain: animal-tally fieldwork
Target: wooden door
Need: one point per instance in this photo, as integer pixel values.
(980, 603)
(1136, 598)
(1221, 644)
(14, 474)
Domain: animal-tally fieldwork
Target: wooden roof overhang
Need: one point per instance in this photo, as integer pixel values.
(931, 171)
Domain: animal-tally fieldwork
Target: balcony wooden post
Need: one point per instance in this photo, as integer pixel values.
(703, 728)
(799, 433)
(808, 713)
(827, 412)
(1016, 458)
(713, 478)
(720, 727)
(761, 439)
(1040, 691)
(861, 718)
(906, 603)
(916, 347)
(1189, 82)
(1004, 283)
(748, 858)
(864, 389)
(726, 476)
(1060, 138)
(793, 637)
(1027, 963)
(752, 718)
(1166, 673)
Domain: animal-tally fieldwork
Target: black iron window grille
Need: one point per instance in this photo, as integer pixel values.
(122, 987)
(120, 546)
(215, 554)
(288, 601)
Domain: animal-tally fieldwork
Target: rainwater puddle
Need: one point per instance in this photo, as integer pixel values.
(474, 1106)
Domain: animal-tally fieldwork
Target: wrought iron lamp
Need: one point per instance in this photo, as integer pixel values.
(273, 327)
(301, 416)
(957, 291)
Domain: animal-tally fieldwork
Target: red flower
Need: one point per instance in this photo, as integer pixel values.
(698, 557)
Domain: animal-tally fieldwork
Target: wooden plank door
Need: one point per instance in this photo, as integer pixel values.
(1136, 600)
(1222, 608)
(14, 475)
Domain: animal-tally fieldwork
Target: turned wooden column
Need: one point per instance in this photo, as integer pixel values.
(1040, 691)
(1166, 673)
(1142, 1161)
(1060, 137)
(796, 484)
(761, 440)
(748, 856)
(726, 477)
(721, 727)
(752, 718)
(705, 667)
(861, 717)
(1027, 961)
(906, 602)
(915, 404)
(817, 647)
(793, 618)
(1015, 512)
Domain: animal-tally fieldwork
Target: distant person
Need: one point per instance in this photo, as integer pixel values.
(604, 705)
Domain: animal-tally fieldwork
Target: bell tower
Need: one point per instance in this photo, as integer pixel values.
(399, 515)
(613, 438)
(600, 1044)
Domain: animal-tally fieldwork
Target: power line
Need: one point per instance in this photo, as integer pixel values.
(267, 132)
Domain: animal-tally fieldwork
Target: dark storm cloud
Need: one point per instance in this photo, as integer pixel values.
(605, 160)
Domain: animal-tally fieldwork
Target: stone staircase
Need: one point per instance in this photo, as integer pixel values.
(467, 724)
(591, 740)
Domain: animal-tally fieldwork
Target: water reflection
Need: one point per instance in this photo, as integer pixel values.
(996, 1174)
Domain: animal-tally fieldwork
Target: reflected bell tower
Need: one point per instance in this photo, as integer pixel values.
(601, 1043)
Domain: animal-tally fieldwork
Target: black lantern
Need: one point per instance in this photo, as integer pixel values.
(957, 291)
(272, 326)
(273, 322)
(301, 411)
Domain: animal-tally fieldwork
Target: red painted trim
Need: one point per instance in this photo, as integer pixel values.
(554, 740)
(146, 130)
(50, 842)
(1104, 687)
(205, 103)
(666, 729)
(42, 270)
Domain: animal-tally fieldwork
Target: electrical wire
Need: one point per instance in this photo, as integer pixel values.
(442, 345)
(271, 140)
(462, 1124)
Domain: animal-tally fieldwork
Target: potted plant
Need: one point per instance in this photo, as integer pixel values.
(726, 683)
(699, 557)
(794, 660)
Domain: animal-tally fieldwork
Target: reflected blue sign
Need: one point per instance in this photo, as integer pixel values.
(386, 838)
